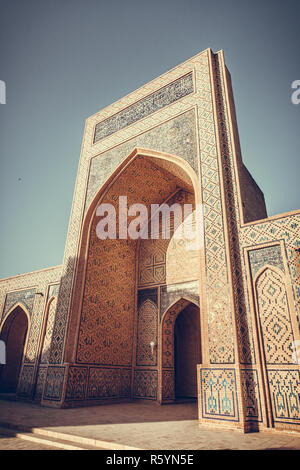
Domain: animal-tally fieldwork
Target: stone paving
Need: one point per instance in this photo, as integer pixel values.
(15, 443)
(139, 426)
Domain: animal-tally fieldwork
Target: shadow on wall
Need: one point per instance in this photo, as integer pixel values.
(54, 332)
(13, 336)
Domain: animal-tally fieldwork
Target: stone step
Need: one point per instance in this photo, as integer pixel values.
(45, 440)
(72, 441)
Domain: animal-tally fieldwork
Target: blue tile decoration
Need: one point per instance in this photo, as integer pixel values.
(159, 99)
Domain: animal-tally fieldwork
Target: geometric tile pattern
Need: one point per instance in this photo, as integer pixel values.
(285, 395)
(152, 265)
(232, 168)
(24, 296)
(286, 228)
(25, 381)
(167, 338)
(251, 395)
(54, 383)
(20, 289)
(40, 382)
(97, 383)
(108, 305)
(167, 345)
(274, 318)
(34, 331)
(168, 385)
(157, 100)
(53, 291)
(145, 384)
(50, 309)
(127, 139)
(197, 128)
(281, 228)
(165, 261)
(151, 294)
(106, 324)
(172, 292)
(221, 348)
(76, 383)
(146, 333)
(108, 383)
(164, 136)
(63, 301)
(231, 203)
(260, 257)
(176, 136)
(219, 397)
(102, 334)
(103, 383)
(252, 235)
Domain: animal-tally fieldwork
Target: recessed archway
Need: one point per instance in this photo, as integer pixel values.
(13, 333)
(187, 352)
(276, 337)
(113, 273)
(180, 350)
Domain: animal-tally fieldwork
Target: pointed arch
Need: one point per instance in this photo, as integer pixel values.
(11, 310)
(264, 268)
(274, 319)
(167, 346)
(170, 163)
(14, 332)
(148, 153)
(182, 302)
(167, 329)
(276, 341)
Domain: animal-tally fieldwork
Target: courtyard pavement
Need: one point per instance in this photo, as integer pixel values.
(130, 426)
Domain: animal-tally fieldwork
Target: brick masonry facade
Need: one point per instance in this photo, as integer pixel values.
(91, 320)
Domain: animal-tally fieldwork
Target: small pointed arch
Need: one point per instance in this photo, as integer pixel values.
(178, 305)
(175, 161)
(273, 312)
(167, 328)
(14, 332)
(12, 310)
(180, 166)
(263, 269)
(180, 349)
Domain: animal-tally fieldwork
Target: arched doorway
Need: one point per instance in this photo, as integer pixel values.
(180, 350)
(13, 333)
(187, 353)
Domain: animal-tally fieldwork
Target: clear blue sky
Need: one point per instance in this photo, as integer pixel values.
(63, 60)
